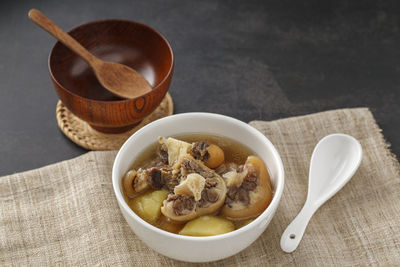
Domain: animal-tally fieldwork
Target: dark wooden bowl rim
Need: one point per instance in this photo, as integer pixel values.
(115, 20)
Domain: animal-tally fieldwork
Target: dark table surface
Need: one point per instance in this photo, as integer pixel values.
(252, 60)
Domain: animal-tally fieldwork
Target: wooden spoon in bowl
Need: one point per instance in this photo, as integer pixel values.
(119, 79)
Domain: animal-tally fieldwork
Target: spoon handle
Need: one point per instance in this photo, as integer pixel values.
(44, 22)
(293, 234)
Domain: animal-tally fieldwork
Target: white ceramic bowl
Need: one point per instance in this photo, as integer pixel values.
(198, 249)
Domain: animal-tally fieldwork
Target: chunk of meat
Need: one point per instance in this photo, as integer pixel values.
(239, 191)
(243, 196)
(163, 154)
(211, 182)
(250, 181)
(235, 194)
(142, 181)
(208, 196)
(158, 161)
(221, 169)
(181, 204)
(155, 178)
(231, 194)
(155, 174)
(190, 166)
(199, 151)
(212, 195)
(170, 180)
(254, 193)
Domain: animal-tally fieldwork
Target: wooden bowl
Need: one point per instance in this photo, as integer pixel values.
(127, 42)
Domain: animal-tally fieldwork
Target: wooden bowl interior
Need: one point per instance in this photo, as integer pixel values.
(126, 42)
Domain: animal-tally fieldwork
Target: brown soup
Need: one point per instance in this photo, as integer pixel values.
(216, 185)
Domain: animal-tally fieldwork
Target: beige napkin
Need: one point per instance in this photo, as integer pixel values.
(66, 213)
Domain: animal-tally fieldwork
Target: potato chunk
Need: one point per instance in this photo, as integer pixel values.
(148, 205)
(207, 226)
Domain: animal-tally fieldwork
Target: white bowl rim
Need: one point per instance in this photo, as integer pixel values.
(276, 197)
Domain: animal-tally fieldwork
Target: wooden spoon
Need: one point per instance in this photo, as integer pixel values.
(119, 79)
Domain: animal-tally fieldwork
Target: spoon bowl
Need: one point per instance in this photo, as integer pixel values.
(121, 80)
(334, 161)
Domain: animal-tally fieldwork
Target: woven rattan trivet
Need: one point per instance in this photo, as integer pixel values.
(85, 136)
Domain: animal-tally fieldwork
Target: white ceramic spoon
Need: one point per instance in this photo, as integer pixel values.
(335, 159)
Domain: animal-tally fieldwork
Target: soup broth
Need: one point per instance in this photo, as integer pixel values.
(233, 150)
(200, 200)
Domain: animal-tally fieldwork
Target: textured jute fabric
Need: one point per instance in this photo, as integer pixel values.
(66, 213)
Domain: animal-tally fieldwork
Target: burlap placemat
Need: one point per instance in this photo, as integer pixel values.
(66, 214)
